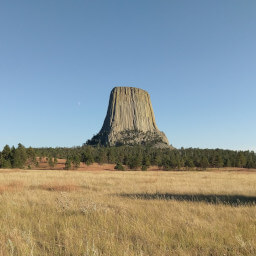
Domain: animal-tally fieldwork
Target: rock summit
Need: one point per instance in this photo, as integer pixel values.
(130, 120)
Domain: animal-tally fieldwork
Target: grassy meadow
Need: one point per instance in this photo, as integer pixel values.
(53, 212)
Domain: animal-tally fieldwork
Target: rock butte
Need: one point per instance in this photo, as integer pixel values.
(130, 120)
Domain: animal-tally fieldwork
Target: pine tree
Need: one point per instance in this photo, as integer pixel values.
(5, 159)
(219, 161)
(204, 162)
(240, 160)
(189, 163)
(68, 164)
(119, 167)
(111, 156)
(102, 158)
(55, 161)
(20, 157)
(50, 162)
(31, 156)
(87, 156)
(76, 161)
(145, 163)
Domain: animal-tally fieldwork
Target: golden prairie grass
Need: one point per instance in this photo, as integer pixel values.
(127, 213)
(57, 187)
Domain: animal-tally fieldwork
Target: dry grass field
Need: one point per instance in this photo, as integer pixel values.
(54, 212)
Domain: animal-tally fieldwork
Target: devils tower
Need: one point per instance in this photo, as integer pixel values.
(130, 120)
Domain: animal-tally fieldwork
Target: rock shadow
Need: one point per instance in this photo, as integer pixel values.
(233, 200)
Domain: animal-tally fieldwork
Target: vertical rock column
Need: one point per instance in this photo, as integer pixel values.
(130, 119)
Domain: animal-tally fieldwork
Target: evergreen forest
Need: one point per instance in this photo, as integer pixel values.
(134, 157)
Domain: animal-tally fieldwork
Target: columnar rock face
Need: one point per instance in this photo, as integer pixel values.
(130, 120)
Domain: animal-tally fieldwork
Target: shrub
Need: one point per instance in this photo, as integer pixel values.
(119, 167)
(144, 167)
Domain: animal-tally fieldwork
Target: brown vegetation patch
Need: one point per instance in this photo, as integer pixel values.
(11, 187)
(57, 187)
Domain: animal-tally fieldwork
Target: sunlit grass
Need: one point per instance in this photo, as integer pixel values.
(127, 213)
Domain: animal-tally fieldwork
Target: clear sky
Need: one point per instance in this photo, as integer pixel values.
(59, 60)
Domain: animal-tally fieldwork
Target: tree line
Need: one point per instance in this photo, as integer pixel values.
(17, 157)
(134, 157)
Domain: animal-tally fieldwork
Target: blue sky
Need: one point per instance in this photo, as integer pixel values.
(60, 59)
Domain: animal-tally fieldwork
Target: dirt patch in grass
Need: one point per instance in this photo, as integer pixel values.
(11, 187)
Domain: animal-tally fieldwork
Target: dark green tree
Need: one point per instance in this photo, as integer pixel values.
(55, 161)
(76, 161)
(87, 156)
(5, 159)
(68, 164)
(111, 156)
(240, 160)
(31, 155)
(102, 156)
(204, 162)
(50, 162)
(145, 163)
(135, 161)
(189, 163)
(20, 157)
(119, 167)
